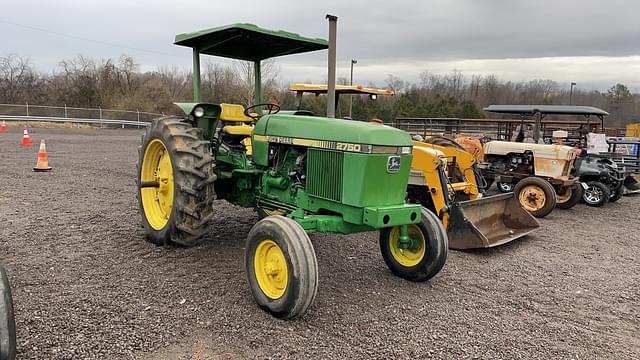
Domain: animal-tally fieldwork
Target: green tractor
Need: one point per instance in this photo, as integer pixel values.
(304, 174)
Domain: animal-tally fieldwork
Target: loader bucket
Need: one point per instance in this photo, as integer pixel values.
(488, 222)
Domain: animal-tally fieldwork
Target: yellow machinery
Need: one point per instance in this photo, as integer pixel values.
(475, 222)
(632, 130)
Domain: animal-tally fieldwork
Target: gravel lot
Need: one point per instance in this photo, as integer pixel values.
(87, 285)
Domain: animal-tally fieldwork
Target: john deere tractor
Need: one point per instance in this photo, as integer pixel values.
(446, 180)
(311, 174)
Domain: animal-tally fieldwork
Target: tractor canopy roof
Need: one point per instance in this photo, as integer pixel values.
(340, 89)
(248, 42)
(546, 110)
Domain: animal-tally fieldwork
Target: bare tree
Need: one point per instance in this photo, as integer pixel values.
(245, 73)
(175, 80)
(18, 80)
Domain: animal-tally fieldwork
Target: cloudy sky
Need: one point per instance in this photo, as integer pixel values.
(593, 43)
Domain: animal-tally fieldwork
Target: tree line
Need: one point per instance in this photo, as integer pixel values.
(120, 84)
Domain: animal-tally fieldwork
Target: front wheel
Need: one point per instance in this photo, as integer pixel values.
(568, 197)
(536, 196)
(281, 267)
(596, 194)
(617, 194)
(7, 319)
(426, 254)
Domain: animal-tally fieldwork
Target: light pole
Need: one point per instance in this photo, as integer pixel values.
(571, 93)
(351, 83)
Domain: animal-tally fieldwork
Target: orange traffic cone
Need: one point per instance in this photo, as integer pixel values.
(26, 140)
(3, 127)
(43, 163)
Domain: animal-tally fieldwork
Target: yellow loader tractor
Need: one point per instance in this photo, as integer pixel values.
(471, 219)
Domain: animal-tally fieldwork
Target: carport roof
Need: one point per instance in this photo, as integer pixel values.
(546, 110)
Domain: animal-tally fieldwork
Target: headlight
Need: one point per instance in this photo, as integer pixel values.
(198, 111)
(405, 150)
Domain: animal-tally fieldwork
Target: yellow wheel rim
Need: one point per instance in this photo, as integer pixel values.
(566, 195)
(271, 270)
(157, 202)
(532, 198)
(411, 256)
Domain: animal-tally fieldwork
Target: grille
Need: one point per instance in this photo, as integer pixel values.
(324, 174)
(568, 166)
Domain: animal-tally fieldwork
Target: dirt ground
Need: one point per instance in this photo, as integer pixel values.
(86, 285)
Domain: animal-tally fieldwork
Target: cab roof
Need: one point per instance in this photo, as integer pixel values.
(248, 42)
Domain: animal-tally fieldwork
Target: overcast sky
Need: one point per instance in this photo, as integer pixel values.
(593, 43)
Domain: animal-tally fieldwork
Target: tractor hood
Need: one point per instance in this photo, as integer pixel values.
(541, 151)
(334, 130)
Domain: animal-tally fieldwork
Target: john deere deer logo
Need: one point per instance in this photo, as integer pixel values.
(393, 164)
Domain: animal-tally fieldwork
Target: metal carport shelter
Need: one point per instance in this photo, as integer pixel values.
(541, 111)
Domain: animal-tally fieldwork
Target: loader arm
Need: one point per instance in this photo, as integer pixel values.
(464, 162)
(427, 176)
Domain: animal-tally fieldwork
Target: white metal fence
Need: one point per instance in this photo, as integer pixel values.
(76, 115)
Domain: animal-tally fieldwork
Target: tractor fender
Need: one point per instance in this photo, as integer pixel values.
(209, 109)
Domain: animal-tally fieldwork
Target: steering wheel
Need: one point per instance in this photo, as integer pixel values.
(273, 109)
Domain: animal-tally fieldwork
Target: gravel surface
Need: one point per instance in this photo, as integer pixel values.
(87, 285)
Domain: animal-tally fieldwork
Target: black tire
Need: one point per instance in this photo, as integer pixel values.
(567, 197)
(597, 194)
(193, 178)
(7, 319)
(505, 187)
(618, 194)
(541, 201)
(433, 257)
(301, 265)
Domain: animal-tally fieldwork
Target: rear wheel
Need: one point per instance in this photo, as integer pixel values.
(596, 194)
(175, 182)
(426, 254)
(536, 195)
(504, 187)
(567, 197)
(281, 267)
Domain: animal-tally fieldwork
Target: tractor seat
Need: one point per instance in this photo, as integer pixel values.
(234, 112)
(238, 130)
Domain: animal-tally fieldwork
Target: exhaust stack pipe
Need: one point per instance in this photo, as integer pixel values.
(331, 80)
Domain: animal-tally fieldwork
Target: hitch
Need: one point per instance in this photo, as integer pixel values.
(149, 184)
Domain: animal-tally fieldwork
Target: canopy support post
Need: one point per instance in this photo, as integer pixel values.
(197, 96)
(331, 80)
(257, 76)
(536, 127)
